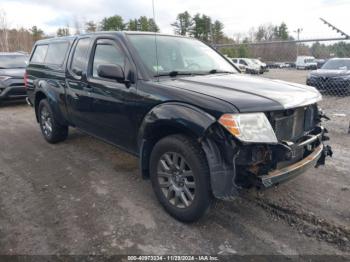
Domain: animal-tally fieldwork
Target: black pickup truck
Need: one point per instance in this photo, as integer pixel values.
(199, 127)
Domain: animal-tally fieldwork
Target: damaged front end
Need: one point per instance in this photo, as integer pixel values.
(235, 164)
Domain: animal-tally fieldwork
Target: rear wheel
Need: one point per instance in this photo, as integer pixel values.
(180, 177)
(52, 131)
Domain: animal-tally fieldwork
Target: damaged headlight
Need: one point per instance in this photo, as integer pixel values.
(250, 127)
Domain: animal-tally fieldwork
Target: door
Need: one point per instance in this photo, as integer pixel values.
(110, 113)
(77, 92)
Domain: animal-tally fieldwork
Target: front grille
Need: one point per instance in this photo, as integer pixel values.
(329, 83)
(292, 124)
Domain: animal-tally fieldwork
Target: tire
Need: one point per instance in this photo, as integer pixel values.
(52, 131)
(174, 186)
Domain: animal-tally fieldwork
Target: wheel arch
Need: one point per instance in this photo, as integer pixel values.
(43, 91)
(168, 119)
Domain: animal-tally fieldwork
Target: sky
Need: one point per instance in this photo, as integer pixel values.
(238, 17)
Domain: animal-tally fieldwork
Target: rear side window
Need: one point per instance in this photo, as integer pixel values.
(56, 53)
(80, 60)
(39, 54)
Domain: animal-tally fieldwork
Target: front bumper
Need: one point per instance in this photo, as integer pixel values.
(316, 153)
(13, 92)
(284, 174)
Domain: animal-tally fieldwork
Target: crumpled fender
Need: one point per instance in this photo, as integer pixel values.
(199, 123)
(173, 114)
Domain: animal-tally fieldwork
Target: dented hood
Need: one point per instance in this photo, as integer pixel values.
(248, 93)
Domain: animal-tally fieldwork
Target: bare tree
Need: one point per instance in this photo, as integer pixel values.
(4, 46)
(77, 26)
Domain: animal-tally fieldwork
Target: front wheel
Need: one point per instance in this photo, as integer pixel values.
(180, 177)
(52, 131)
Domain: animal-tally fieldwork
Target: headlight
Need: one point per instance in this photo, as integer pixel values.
(4, 78)
(250, 127)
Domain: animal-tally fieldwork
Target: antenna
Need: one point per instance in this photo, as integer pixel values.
(155, 39)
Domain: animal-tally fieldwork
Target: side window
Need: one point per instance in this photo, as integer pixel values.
(56, 53)
(39, 54)
(234, 60)
(80, 56)
(107, 53)
(242, 62)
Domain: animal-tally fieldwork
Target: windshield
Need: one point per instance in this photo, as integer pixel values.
(13, 61)
(178, 54)
(310, 60)
(337, 64)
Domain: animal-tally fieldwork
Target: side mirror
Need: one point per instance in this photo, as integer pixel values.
(115, 72)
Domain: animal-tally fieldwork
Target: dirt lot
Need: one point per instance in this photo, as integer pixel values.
(86, 197)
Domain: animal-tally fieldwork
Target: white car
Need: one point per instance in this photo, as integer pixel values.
(263, 66)
(306, 62)
(250, 66)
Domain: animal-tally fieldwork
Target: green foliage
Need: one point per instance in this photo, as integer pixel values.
(133, 25)
(91, 26)
(229, 51)
(217, 31)
(142, 24)
(116, 23)
(243, 51)
(281, 32)
(202, 27)
(340, 49)
(63, 31)
(183, 24)
(36, 33)
(113, 23)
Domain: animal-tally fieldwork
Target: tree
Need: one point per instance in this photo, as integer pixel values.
(281, 31)
(202, 27)
(152, 26)
(133, 25)
(142, 24)
(243, 50)
(90, 26)
(36, 33)
(63, 31)
(4, 46)
(183, 24)
(113, 23)
(265, 33)
(229, 51)
(217, 32)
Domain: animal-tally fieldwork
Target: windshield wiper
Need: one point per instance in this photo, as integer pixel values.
(216, 71)
(176, 73)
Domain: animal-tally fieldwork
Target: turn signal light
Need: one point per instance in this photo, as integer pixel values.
(230, 124)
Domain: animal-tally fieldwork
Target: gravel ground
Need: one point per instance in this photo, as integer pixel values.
(83, 196)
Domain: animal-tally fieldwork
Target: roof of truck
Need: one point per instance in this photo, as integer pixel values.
(72, 38)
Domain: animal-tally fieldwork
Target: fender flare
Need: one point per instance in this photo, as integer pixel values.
(197, 122)
(43, 89)
(181, 116)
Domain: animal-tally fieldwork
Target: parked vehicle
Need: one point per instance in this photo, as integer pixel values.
(12, 68)
(320, 62)
(250, 66)
(241, 67)
(332, 78)
(199, 128)
(263, 66)
(306, 62)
